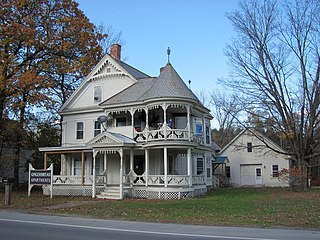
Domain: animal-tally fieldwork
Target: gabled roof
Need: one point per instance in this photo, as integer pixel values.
(168, 85)
(258, 136)
(133, 71)
(131, 94)
(98, 72)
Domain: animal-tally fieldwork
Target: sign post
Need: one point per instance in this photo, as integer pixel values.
(40, 177)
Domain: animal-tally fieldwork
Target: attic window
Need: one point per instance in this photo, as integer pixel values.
(97, 95)
(249, 146)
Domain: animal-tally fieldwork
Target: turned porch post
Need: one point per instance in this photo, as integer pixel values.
(131, 164)
(82, 168)
(164, 108)
(189, 166)
(147, 123)
(121, 173)
(165, 166)
(94, 174)
(188, 123)
(146, 151)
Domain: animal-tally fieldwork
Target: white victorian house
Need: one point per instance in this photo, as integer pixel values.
(252, 160)
(126, 134)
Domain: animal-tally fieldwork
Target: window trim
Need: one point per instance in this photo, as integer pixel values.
(249, 147)
(97, 131)
(79, 130)
(275, 173)
(200, 159)
(99, 92)
(228, 171)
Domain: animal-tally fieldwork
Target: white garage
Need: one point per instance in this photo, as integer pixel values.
(251, 174)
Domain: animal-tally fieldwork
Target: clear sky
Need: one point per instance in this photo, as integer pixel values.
(196, 31)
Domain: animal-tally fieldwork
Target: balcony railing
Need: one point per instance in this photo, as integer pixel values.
(163, 132)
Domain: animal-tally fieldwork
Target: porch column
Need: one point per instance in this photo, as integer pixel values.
(105, 166)
(63, 164)
(164, 107)
(147, 123)
(94, 174)
(146, 154)
(45, 161)
(82, 168)
(121, 173)
(132, 112)
(131, 164)
(165, 166)
(188, 123)
(189, 166)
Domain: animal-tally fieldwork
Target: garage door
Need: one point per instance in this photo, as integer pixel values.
(250, 175)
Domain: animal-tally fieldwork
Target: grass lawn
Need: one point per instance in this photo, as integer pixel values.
(262, 207)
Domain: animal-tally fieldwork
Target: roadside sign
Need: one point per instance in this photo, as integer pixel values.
(40, 177)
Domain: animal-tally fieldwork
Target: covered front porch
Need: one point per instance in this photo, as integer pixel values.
(114, 170)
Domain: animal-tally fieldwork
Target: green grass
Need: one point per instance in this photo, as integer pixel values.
(263, 207)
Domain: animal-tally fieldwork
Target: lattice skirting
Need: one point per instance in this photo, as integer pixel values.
(168, 193)
(72, 190)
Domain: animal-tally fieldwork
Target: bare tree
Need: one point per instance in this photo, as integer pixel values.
(276, 62)
(226, 109)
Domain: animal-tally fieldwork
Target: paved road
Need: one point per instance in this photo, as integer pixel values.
(18, 226)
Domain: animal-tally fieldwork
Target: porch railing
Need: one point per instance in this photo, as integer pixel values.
(77, 180)
(159, 180)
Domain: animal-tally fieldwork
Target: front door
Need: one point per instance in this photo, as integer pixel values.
(258, 176)
(113, 169)
(139, 165)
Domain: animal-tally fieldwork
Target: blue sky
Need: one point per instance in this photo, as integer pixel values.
(196, 31)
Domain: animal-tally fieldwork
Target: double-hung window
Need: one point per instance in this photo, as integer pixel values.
(249, 146)
(97, 128)
(200, 166)
(97, 94)
(275, 170)
(80, 130)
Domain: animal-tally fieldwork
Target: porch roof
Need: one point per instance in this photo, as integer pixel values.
(221, 160)
(66, 149)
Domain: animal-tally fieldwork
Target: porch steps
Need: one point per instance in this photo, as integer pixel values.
(110, 192)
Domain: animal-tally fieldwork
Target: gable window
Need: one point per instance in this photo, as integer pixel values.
(97, 95)
(275, 170)
(199, 166)
(122, 121)
(249, 146)
(79, 131)
(228, 171)
(97, 128)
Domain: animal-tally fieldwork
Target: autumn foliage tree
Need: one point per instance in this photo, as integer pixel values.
(276, 63)
(46, 47)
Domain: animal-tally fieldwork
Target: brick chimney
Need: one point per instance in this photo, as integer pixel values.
(115, 51)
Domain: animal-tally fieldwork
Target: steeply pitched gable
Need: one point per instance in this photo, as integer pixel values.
(118, 74)
(258, 136)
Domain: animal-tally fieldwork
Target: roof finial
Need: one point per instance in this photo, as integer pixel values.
(189, 82)
(168, 52)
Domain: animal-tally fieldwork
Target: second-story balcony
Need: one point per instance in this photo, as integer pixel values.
(161, 123)
(163, 132)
